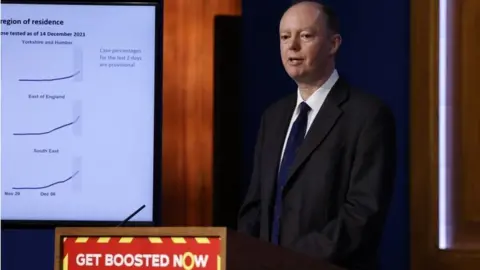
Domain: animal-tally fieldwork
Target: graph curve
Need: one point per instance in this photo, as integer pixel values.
(51, 79)
(49, 131)
(49, 185)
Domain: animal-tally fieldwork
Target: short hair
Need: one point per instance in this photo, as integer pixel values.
(333, 23)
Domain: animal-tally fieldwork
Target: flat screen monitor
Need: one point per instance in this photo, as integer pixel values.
(78, 105)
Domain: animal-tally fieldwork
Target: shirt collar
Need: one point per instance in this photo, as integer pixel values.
(315, 101)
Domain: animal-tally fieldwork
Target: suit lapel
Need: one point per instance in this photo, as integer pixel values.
(321, 126)
(279, 129)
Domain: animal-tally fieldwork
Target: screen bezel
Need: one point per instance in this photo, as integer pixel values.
(157, 164)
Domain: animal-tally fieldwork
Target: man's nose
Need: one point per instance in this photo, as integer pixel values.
(294, 44)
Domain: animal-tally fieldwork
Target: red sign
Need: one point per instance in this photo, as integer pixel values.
(119, 253)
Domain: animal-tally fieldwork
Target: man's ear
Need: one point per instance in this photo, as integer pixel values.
(336, 41)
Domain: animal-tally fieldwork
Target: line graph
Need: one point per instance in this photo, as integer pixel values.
(47, 132)
(49, 185)
(51, 79)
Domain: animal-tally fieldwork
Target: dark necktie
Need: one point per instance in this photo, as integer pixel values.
(295, 139)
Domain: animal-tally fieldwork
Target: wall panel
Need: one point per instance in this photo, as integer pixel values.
(188, 109)
(445, 207)
(466, 81)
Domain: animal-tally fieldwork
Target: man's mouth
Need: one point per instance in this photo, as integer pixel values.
(295, 60)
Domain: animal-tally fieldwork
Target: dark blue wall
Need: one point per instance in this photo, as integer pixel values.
(27, 249)
(374, 56)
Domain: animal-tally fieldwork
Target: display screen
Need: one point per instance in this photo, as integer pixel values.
(77, 111)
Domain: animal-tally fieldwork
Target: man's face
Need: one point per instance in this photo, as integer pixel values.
(304, 44)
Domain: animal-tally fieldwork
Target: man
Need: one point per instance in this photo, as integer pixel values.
(324, 161)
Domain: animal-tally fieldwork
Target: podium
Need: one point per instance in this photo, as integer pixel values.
(189, 248)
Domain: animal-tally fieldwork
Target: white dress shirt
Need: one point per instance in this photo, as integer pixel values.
(315, 101)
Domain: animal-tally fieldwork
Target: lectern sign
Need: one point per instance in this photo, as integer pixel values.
(119, 253)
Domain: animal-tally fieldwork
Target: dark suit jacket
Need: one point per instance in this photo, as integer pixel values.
(339, 189)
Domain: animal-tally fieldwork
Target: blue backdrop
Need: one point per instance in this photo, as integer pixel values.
(374, 56)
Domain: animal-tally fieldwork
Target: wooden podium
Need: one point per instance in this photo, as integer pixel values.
(188, 248)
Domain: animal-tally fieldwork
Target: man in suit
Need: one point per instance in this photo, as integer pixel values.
(324, 161)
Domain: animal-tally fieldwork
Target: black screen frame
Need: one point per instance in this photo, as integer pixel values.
(158, 93)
